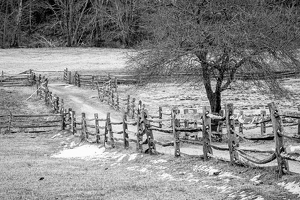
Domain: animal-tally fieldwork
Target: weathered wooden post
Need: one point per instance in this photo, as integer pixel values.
(139, 134)
(118, 102)
(125, 134)
(46, 97)
(128, 105)
(149, 133)
(73, 122)
(78, 80)
(109, 129)
(175, 123)
(62, 105)
(69, 117)
(75, 78)
(112, 99)
(241, 131)
(298, 122)
(65, 74)
(50, 99)
(186, 122)
(84, 135)
(206, 131)
(97, 130)
(263, 124)
(232, 140)
(116, 84)
(2, 76)
(277, 130)
(56, 105)
(133, 107)
(70, 77)
(38, 83)
(63, 123)
(10, 119)
(160, 116)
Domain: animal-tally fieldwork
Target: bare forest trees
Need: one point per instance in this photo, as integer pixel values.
(70, 22)
(11, 16)
(214, 40)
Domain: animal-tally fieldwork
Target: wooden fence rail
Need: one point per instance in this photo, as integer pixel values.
(136, 115)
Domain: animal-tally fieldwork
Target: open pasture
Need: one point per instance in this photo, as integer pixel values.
(244, 98)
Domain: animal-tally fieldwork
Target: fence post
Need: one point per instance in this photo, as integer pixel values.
(70, 77)
(277, 130)
(50, 99)
(68, 117)
(128, 105)
(139, 134)
(62, 104)
(97, 128)
(109, 129)
(78, 80)
(73, 122)
(241, 124)
(206, 131)
(65, 75)
(63, 124)
(133, 107)
(299, 122)
(2, 75)
(232, 140)
(75, 78)
(84, 135)
(38, 87)
(118, 102)
(112, 99)
(149, 133)
(116, 84)
(62, 112)
(175, 123)
(263, 124)
(46, 97)
(9, 122)
(125, 134)
(56, 105)
(160, 116)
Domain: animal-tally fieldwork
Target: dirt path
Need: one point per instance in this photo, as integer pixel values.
(85, 100)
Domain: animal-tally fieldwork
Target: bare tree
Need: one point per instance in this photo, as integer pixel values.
(214, 40)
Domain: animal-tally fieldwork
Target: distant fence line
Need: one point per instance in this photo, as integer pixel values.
(178, 123)
(127, 78)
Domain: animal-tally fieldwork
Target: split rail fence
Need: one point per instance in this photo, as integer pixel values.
(9, 80)
(97, 130)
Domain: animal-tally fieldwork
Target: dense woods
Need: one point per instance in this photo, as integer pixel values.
(114, 23)
(49, 23)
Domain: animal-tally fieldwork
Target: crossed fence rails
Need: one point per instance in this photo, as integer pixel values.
(145, 124)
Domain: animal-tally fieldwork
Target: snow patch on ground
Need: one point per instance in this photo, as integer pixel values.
(84, 152)
(89, 152)
(136, 168)
(158, 161)
(132, 157)
(292, 187)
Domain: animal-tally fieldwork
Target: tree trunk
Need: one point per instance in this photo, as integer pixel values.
(17, 32)
(215, 101)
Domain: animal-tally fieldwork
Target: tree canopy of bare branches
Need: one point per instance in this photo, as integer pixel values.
(214, 40)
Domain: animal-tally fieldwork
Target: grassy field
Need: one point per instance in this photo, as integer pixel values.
(49, 166)
(41, 166)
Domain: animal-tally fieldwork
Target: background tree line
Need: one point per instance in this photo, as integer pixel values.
(115, 23)
(36, 23)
